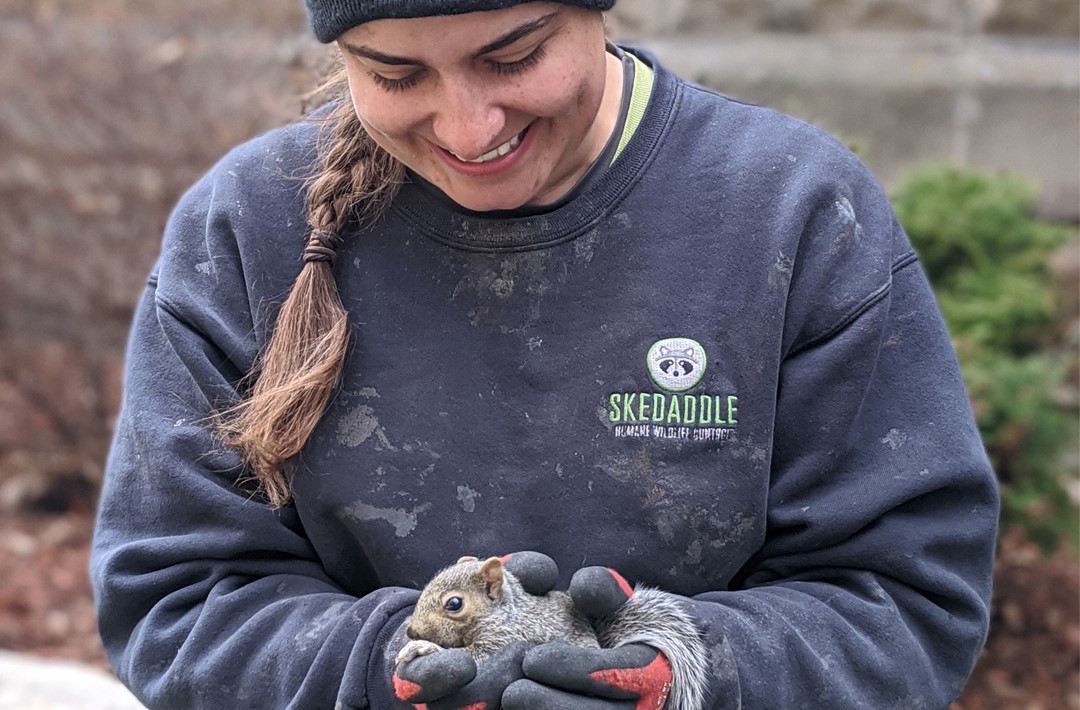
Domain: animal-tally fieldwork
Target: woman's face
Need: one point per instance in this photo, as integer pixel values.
(498, 109)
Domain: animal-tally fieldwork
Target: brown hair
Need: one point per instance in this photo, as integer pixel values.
(295, 376)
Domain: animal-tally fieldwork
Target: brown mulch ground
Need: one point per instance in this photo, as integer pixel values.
(1032, 660)
(45, 602)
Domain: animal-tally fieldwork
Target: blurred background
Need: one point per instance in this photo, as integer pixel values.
(968, 111)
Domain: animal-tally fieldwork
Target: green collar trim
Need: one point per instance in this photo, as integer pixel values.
(639, 100)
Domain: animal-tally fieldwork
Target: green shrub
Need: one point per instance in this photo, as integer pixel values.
(987, 258)
(1002, 309)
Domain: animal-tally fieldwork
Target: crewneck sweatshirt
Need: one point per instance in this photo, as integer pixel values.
(718, 370)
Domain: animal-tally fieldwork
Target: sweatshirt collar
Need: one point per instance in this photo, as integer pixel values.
(479, 232)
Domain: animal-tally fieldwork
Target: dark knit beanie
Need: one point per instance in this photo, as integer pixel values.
(329, 18)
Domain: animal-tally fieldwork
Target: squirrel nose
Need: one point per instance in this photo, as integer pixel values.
(411, 632)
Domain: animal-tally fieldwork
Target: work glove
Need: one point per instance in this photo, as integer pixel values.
(559, 676)
(450, 679)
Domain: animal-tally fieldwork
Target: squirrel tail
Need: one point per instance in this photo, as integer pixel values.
(658, 619)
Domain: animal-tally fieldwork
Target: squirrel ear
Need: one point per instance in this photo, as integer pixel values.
(466, 558)
(492, 574)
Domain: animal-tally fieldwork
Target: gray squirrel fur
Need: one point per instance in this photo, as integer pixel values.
(496, 611)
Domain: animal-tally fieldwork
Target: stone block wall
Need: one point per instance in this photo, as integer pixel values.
(993, 84)
(1048, 18)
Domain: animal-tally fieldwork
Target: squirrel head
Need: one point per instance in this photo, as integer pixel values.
(456, 600)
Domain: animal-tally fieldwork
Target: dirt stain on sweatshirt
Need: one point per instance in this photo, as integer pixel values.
(403, 521)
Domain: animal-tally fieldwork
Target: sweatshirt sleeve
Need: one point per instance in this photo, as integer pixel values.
(872, 587)
(206, 597)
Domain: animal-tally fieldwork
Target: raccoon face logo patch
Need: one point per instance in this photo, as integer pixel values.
(676, 364)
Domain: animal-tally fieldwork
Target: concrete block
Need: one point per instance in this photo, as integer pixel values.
(661, 17)
(1050, 18)
(905, 100)
(1047, 18)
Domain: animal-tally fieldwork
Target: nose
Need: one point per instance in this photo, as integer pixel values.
(411, 632)
(467, 121)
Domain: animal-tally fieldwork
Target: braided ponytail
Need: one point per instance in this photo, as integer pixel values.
(296, 375)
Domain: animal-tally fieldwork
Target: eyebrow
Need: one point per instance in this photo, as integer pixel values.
(505, 41)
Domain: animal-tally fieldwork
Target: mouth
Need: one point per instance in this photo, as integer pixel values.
(499, 152)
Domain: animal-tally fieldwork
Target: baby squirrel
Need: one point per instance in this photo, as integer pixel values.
(481, 607)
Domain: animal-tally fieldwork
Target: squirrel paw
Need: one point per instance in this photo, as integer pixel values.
(416, 648)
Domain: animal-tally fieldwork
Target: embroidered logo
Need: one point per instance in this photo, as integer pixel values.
(676, 364)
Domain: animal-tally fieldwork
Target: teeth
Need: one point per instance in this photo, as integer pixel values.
(497, 153)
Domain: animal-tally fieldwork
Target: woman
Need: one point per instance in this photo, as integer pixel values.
(542, 294)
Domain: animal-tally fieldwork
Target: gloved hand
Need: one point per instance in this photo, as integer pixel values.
(537, 572)
(564, 677)
(451, 679)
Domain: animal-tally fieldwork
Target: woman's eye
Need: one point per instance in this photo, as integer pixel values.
(395, 84)
(454, 604)
(519, 65)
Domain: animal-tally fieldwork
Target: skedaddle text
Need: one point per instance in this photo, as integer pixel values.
(673, 409)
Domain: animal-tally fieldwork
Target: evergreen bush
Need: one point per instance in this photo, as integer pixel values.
(987, 257)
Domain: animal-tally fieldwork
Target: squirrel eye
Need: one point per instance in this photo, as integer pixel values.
(453, 604)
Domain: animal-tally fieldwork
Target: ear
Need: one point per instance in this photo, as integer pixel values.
(664, 351)
(492, 574)
(466, 558)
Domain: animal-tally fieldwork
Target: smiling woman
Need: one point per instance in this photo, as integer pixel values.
(542, 295)
(497, 114)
